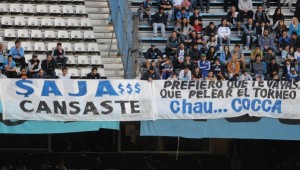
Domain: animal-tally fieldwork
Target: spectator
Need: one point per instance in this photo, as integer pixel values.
(196, 75)
(196, 16)
(93, 74)
(34, 65)
(18, 53)
(174, 77)
(204, 66)
(266, 41)
(195, 53)
(186, 4)
(239, 55)
(201, 42)
(293, 75)
(65, 74)
(210, 55)
(211, 29)
(152, 53)
(212, 42)
(245, 76)
(280, 28)
(182, 14)
(268, 55)
(197, 26)
(268, 3)
(183, 29)
(261, 16)
(225, 56)
(59, 54)
(295, 40)
(177, 7)
(1, 57)
(217, 67)
(172, 44)
(49, 65)
(273, 69)
(145, 8)
(187, 61)
(150, 75)
(159, 20)
(185, 74)
(158, 68)
(167, 69)
(232, 2)
(249, 34)
(178, 63)
(40, 75)
(261, 28)
(258, 67)
(297, 57)
(294, 26)
(286, 69)
(220, 76)
(276, 17)
(224, 32)
(23, 74)
(167, 6)
(233, 68)
(254, 52)
(10, 67)
(245, 7)
(210, 76)
(283, 41)
(207, 5)
(234, 18)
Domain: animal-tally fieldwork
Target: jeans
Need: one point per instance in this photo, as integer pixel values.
(201, 5)
(227, 41)
(63, 61)
(162, 26)
(248, 40)
(170, 14)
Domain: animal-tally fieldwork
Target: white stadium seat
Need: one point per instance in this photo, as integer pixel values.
(23, 34)
(71, 60)
(36, 34)
(83, 59)
(73, 72)
(102, 72)
(6, 21)
(89, 35)
(28, 8)
(85, 22)
(20, 21)
(39, 46)
(67, 47)
(76, 35)
(96, 60)
(33, 21)
(41, 9)
(27, 46)
(49, 34)
(59, 22)
(47, 22)
(3, 8)
(73, 22)
(80, 47)
(84, 72)
(9, 33)
(68, 9)
(51, 46)
(10, 44)
(80, 9)
(55, 9)
(93, 47)
(15, 8)
(63, 34)
(28, 57)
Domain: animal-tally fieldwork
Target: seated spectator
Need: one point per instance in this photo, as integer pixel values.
(295, 40)
(220, 76)
(201, 42)
(188, 61)
(210, 76)
(183, 29)
(23, 74)
(266, 41)
(150, 75)
(280, 28)
(270, 54)
(64, 74)
(245, 7)
(224, 32)
(260, 29)
(294, 26)
(273, 69)
(185, 74)
(258, 67)
(234, 18)
(286, 69)
(239, 55)
(276, 17)
(172, 44)
(253, 53)
(1, 57)
(283, 41)
(59, 55)
(152, 53)
(186, 4)
(40, 75)
(145, 8)
(167, 69)
(245, 76)
(173, 77)
(233, 68)
(93, 74)
(225, 56)
(211, 29)
(34, 65)
(167, 6)
(158, 67)
(196, 16)
(197, 26)
(204, 66)
(196, 75)
(159, 20)
(177, 7)
(293, 75)
(10, 67)
(249, 36)
(217, 67)
(212, 42)
(182, 14)
(261, 16)
(49, 65)
(210, 55)
(178, 62)
(18, 53)
(195, 54)
(291, 55)
(297, 57)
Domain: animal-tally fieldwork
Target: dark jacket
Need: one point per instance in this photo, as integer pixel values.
(230, 19)
(277, 17)
(159, 18)
(153, 54)
(195, 54)
(49, 67)
(193, 18)
(173, 43)
(92, 76)
(263, 17)
(147, 75)
(208, 31)
(272, 68)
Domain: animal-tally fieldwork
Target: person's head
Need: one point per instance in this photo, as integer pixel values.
(258, 78)
(258, 58)
(281, 22)
(257, 48)
(183, 10)
(195, 46)
(293, 70)
(41, 72)
(237, 47)
(58, 45)
(212, 38)
(294, 35)
(186, 68)
(196, 22)
(266, 32)
(49, 57)
(259, 8)
(161, 10)
(174, 75)
(217, 62)
(295, 20)
(288, 62)
(23, 71)
(210, 73)
(94, 70)
(269, 51)
(244, 72)
(18, 43)
(151, 70)
(203, 57)
(196, 11)
(34, 57)
(153, 63)
(211, 25)
(153, 47)
(250, 21)
(223, 21)
(226, 48)
(273, 60)
(193, 34)
(212, 49)
(233, 9)
(64, 71)
(187, 57)
(174, 34)
(181, 45)
(292, 49)
(284, 33)
(184, 20)
(10, 58)
(197, 69)
(277, 11)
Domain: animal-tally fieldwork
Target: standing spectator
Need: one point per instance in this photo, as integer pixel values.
(245, 7)
(258, 67)
(182, 14)
(276, 17)
(93, 74)
(238, 53)
(266, 41)
(65, 74)
(167, 6)
(232, 2)
(40, 75)
(34, 65)
(245, 76)
(10, 67)
(295, 40)
(225, 56)
(150, 74)
(59, 54)
(204, 66)
(18, 53)
(273, 69)
(211, 29)
(159, 20)
(233, 68)
(167, 69)
(185, 74)
(49, 65)
(224, 32)
(196, 16)
(249, 34)
(294, 26)
(172, 44)
(207, 5)
(234, 18)
(152, 53)
(145, 8)
(261, 16)
(183, 29)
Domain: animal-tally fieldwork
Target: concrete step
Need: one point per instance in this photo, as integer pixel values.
(96, 4)
(103, 29)
(113, 66)
(98, 16)
(106, 41)
(102, 22)
(113, 54)
(111, 59)
(98, 10)
(105, 35)
(114, 73)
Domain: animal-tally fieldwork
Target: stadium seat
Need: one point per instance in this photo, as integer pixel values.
(27, 46)
(23, 33)
(9, 33)
(63, 34)
(27, 57)
(28, 9)
(51, 46)
(85, 22)
(3, 8)
(73, 72)
(68, 9)
(55, 9)
(50, 34)
(89, 35)
(102, 73)
(76, 35)
(59, 22)
(58, 72)
(39, 46)
(36, 34)
(80, 47)
(71, 60)
(93, 47)
(20, 21)
(41, 9)
(33, 22)
(72, 22)
(84, 72)
(80, 9)
(6, 21)
(96, 60)
(47, 22)
(10, 44)
(67, 47)
(15, 8)
(82, 60)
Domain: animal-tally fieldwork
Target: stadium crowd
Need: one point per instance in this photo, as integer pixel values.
(195, 51)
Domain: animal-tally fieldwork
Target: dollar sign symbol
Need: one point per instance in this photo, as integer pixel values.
(121, 88)
(137, 88)
(129, 89)
(22, 84)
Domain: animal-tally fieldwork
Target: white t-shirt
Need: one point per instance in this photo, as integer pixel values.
(64, 77)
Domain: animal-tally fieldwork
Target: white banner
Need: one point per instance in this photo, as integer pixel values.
(76, 100)
(223, 99)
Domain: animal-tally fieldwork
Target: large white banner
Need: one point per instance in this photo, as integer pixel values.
(76, 100)
(223, 99)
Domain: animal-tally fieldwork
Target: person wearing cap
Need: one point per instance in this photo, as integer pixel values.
(59, 55)
(273, 69)
(249, 36)
(258, 67)
(159, 20)
(233, 67)
(204, 66)
(145, 8)
(182, 14)
(245, 76)
(185, 74)
(224, 32)
(34, 65)
(211, 29)
(293, 75)
(266, 41)
(152, 53)
(18, 53)
(167, 6)
(150, 75)
(10, 67)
